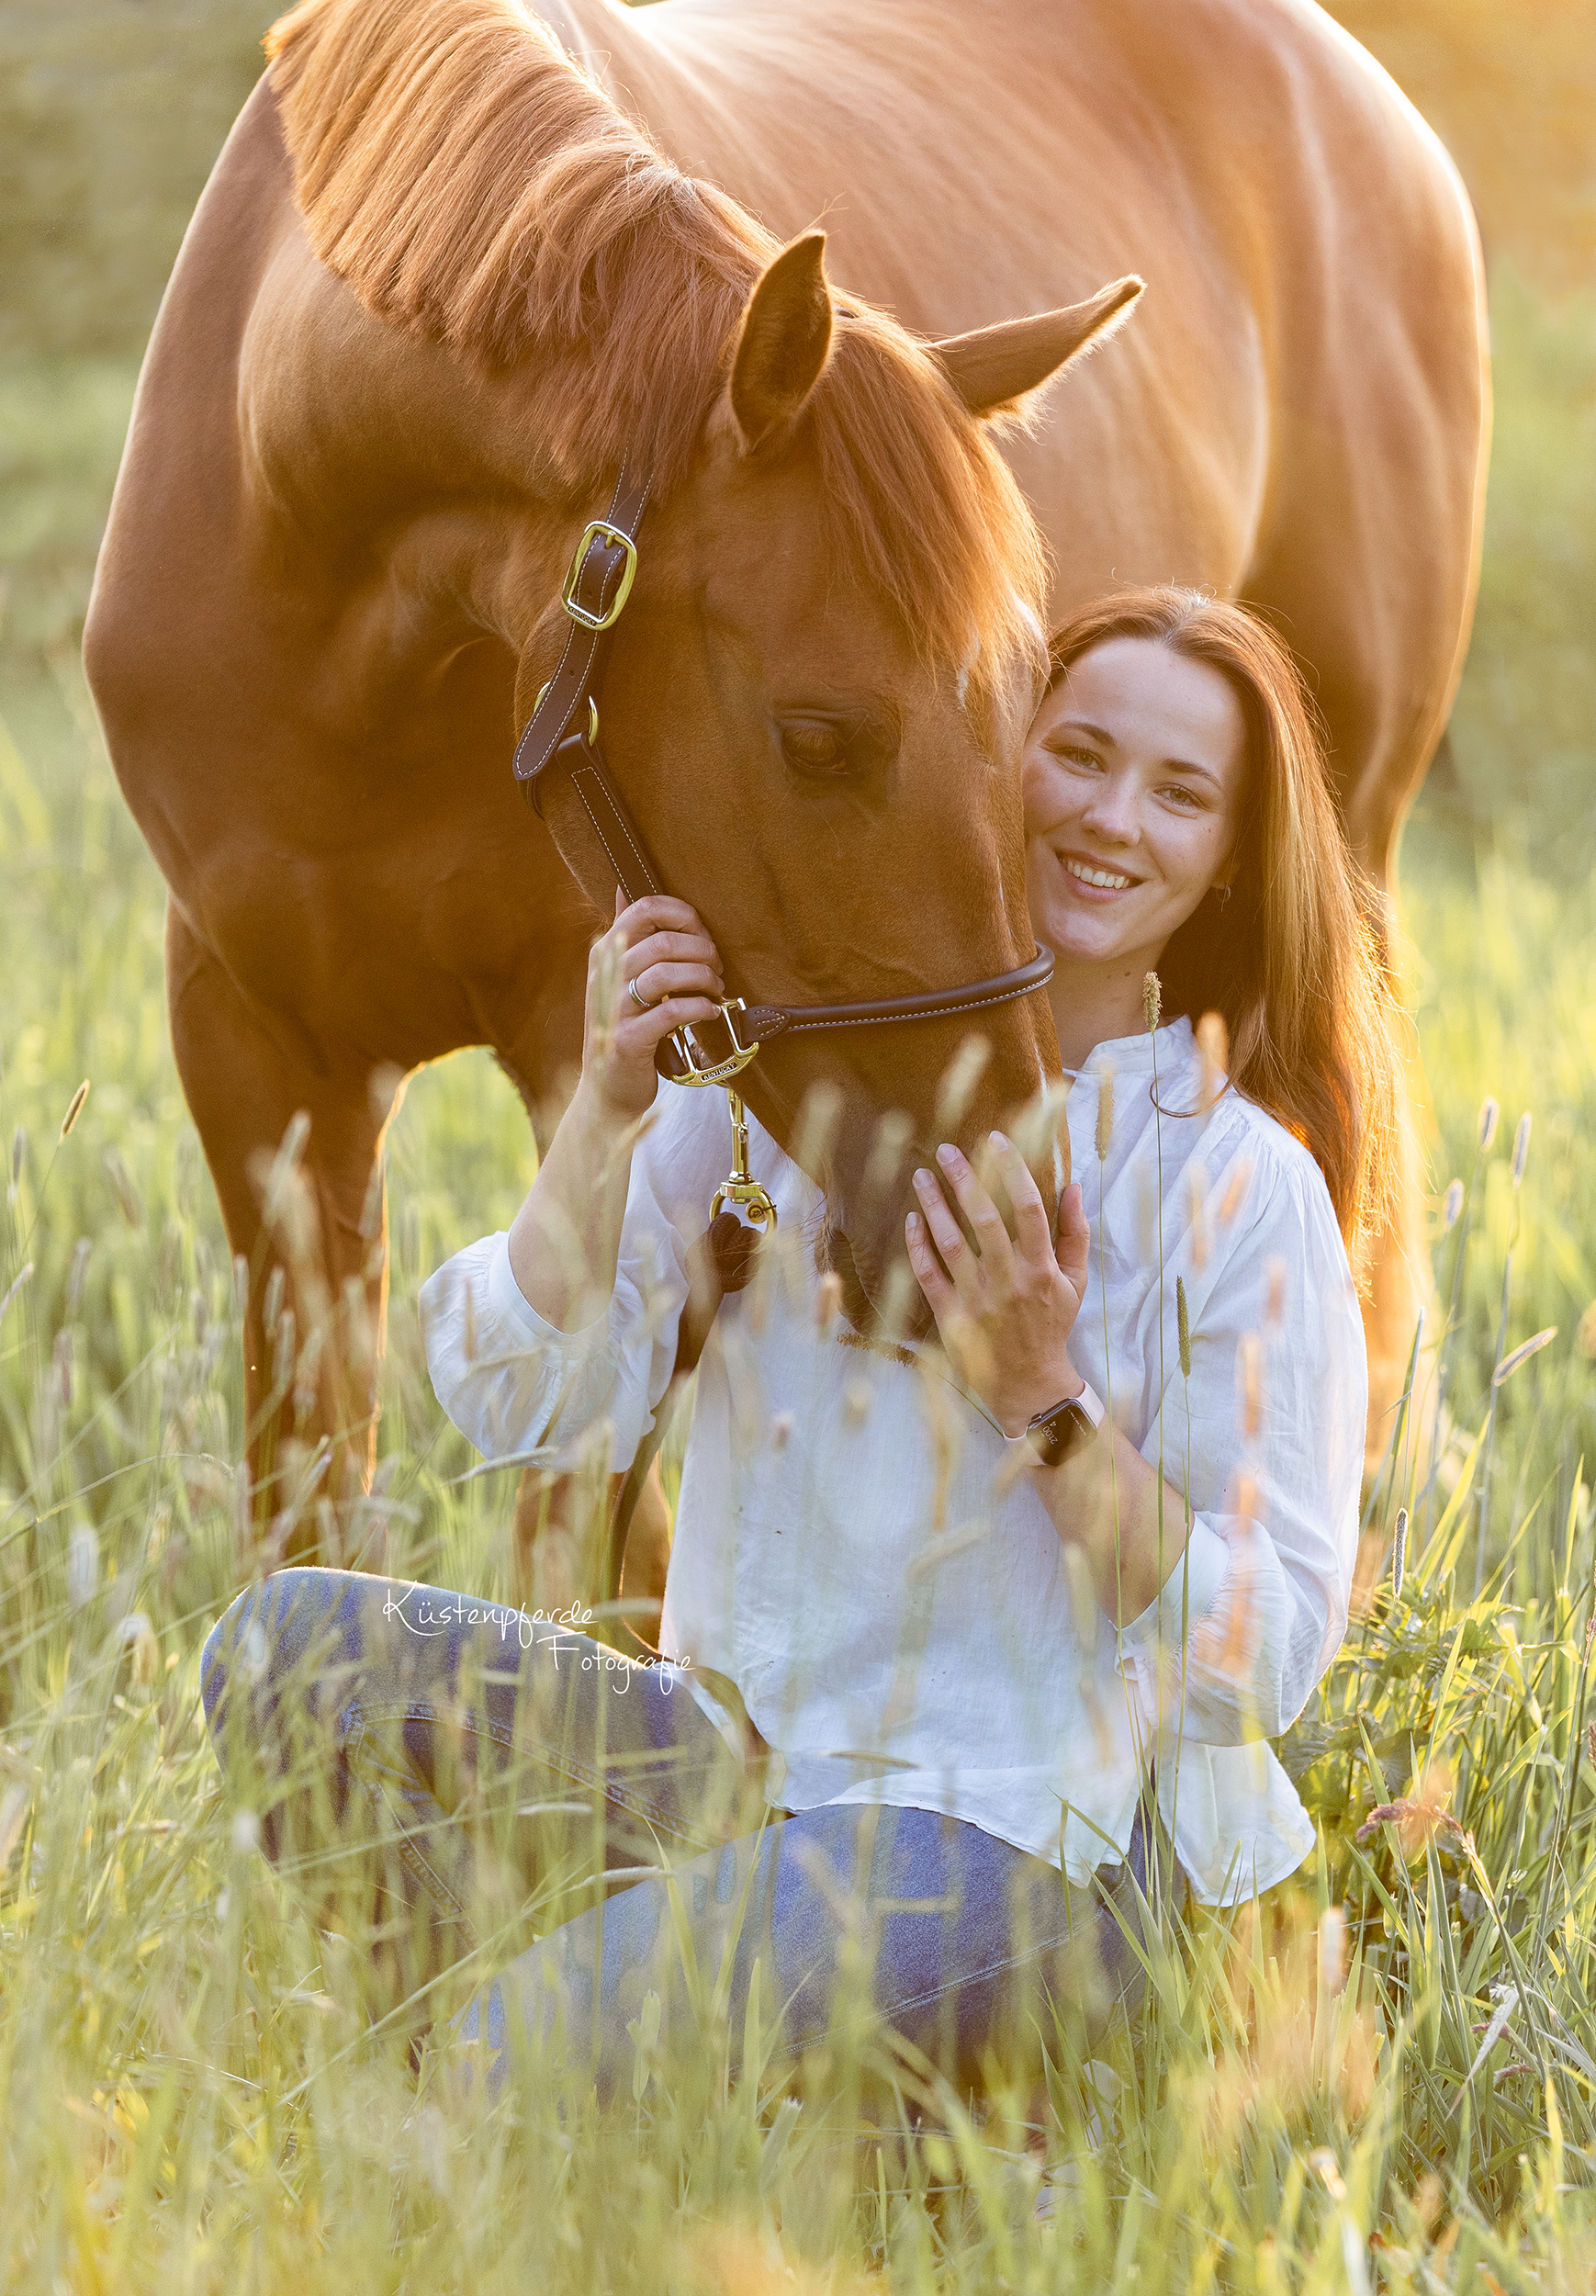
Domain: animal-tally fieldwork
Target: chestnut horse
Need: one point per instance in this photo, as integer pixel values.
(455, 264)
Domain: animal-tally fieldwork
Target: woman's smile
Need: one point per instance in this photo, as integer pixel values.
(1094, 877)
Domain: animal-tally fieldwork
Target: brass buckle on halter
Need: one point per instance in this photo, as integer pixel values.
(600, 530)
(739, 1186)
(697, 1066)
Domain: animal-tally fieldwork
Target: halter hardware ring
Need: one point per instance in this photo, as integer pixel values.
(592, 713)
(600, 530)
(687, 1047)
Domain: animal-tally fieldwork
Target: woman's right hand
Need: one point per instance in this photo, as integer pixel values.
(659, 943)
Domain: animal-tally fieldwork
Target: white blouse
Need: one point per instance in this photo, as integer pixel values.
(855, 1548)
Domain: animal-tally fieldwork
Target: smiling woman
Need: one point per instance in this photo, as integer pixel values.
(1179, 818)
(1135, 775)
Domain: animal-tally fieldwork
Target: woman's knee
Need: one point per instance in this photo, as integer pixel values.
(273, 1638)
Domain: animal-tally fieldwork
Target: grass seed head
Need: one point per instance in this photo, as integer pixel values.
(1105, 1113)
(1323, 2162)
(1332, 1949)
(1399, 1554)
(1273, 1292)
(129, 1201)
(83, 1565)
(819, 1114)
(1235, 1188)
(1452, 1211)
(1488, 1112)
(137, 1635)
(1153, 998)
(1214, 1044)
(1521, 1147)
(1510, 1364)
(1196, 1190)
(1250, 1383)
(15, 1288)
(960, 1079)
(75, 1108)
(1182, 1324)
(19, 1156)
(827, 1303)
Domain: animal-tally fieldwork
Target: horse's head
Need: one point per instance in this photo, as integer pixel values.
(814, 700)
(814, 708)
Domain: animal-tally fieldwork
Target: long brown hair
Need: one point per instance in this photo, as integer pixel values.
(1292, 959)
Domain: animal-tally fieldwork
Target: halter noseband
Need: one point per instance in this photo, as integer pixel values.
(595, 591)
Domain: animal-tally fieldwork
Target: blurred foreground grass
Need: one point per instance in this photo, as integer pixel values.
(188, 2096)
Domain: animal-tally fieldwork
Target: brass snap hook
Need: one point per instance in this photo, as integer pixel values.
(739, 1186)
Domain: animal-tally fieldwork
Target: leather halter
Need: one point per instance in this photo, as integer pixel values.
(595, 593)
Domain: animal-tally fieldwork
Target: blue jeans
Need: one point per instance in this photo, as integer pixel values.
(432, 1771)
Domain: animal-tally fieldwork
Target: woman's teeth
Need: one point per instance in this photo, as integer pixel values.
(1098, 877)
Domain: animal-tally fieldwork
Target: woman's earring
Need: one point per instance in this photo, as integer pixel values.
(1224, 894)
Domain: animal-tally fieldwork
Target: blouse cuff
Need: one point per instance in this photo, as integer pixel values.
(506, 1300)
(1186, 1596)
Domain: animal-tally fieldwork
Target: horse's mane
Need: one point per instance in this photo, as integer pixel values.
(468, 182)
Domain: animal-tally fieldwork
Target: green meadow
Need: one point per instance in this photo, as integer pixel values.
(1385, 2077)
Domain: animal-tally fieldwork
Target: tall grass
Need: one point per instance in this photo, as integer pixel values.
(1385, 2077)
(1399, 2094)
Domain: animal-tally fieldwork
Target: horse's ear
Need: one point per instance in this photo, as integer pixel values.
(785, 336)
(994, 369)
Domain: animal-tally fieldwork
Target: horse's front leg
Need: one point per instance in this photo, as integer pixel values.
(561, 1522)
(293, 1145)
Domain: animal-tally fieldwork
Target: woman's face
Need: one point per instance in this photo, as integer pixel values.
(1134, 773)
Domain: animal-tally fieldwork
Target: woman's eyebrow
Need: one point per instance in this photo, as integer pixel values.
(1080, 726)
(1203, 772)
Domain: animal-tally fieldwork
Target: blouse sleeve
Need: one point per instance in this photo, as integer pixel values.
(520, 1388)
(1266, 1438)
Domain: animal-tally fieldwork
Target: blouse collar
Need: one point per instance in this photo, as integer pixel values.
(1133, 1056)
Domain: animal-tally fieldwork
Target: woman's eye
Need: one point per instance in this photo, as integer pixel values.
(1186, 799)
(1086, 759)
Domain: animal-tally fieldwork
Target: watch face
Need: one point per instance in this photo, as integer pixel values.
(1063, 1434)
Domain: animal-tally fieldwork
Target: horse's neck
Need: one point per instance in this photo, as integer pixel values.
(718, 91)
(876, 121)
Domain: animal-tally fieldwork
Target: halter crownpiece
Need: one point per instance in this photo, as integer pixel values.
(597, 586)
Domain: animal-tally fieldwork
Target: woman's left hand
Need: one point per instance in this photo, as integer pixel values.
(1004, 1308)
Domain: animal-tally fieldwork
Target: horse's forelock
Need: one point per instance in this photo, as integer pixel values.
(466, 179)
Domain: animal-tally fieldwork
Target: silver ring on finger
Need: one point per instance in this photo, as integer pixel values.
(642, 1003)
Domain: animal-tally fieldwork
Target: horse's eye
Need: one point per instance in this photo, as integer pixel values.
(844, 747)
(816, 744)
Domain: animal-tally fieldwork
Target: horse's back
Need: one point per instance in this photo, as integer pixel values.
(1297, 414)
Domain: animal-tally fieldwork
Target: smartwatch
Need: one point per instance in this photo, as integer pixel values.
(1056, 1433)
